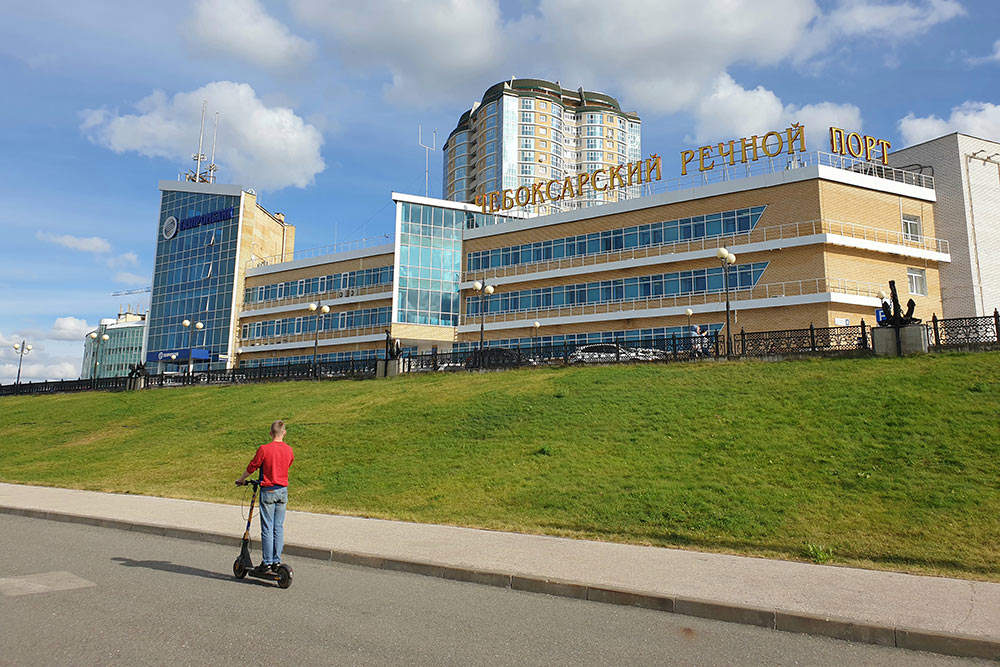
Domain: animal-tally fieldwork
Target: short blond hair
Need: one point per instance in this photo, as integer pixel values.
(278, 427)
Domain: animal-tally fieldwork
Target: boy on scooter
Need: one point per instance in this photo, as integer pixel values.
(273, 459)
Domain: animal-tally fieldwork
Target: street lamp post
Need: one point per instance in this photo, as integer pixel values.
(690, 333)
(484, 291)
(728, 259)
(97, 346)
(534, 337)
(313, 307)
(21, 349)
(191, 330)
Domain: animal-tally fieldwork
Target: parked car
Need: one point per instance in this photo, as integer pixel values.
(495, 357)
(609, 353)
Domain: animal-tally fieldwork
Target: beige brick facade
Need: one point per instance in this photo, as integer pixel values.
(830, 246)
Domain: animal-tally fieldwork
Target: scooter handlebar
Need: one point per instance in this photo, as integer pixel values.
(252, 482)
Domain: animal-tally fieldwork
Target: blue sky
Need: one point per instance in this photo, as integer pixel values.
(320, 101)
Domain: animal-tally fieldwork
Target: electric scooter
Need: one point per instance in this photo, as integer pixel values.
(243, 565)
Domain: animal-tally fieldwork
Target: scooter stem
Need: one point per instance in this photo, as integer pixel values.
(253, 498)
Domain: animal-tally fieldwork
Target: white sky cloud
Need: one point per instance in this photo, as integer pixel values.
(267, 148)
(55, 355)
(249, 34)
(122, 260)
(69, 328)
(434, 51)
(660, 64)
(130, 278)
(992, 58)
(979, 119)
(732, 112)
(659, 57)
(36, 370)
(890, 22)
(94, 244)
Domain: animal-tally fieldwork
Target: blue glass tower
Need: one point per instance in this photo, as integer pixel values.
(194, 276)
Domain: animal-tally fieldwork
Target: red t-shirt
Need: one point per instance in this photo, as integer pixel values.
(273, 459)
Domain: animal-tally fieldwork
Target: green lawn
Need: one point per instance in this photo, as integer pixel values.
(889, 463)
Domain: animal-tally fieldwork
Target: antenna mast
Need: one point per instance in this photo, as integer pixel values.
(427, 156)
(212, 167)
(198, 157)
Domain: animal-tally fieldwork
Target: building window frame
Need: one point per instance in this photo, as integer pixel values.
(917, 280)
(913, 229)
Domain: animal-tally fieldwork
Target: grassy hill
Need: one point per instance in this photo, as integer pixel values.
(888, 463)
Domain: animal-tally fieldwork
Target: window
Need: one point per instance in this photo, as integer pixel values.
(527, 117)
(918, 281)
(527, 129)
(911, 228)
(527, 104)
(528, 143)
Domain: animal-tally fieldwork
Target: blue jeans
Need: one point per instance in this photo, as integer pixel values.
(272, 519)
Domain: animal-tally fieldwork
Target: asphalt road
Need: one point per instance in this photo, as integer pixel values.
(80, 595)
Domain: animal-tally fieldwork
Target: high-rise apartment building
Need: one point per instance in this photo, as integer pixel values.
(526, 131)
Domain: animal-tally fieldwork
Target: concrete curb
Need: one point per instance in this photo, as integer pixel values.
(945, 643)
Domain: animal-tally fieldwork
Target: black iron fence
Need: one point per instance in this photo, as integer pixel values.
(664, 349)
(63, 386)
(942, 334)
(964, 332)
(335, 370)
(796, 341)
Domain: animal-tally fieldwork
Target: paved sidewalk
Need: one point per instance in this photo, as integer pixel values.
(931, 613)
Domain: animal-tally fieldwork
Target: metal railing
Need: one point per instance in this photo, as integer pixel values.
(663, 349)
(770, 290)
(247, 344)
(788, 230)
(791, 341)
(724, 173)
(328, 295)
(977, 333)
(320, 251)
(960, 332)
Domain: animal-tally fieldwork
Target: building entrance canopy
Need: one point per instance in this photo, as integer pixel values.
(179, 356)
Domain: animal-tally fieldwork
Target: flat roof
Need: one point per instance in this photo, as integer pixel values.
(201, 188)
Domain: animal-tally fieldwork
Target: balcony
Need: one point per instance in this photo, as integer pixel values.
(321, 251)
(635, 306)
(760, 234)
(329, 337)
(325, 297)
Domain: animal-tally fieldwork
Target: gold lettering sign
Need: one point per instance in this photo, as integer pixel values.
(557, 189)
(771, 144)
(856, 145)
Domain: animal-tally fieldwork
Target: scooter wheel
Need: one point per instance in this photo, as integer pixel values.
(284, 576)
(238, 570)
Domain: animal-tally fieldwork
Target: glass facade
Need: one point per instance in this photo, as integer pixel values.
(741, 276)
(322, 358)
(114, 356)
(362, 318)
(194, 275)
(639, 236)
(430, 263)
(319, 285)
